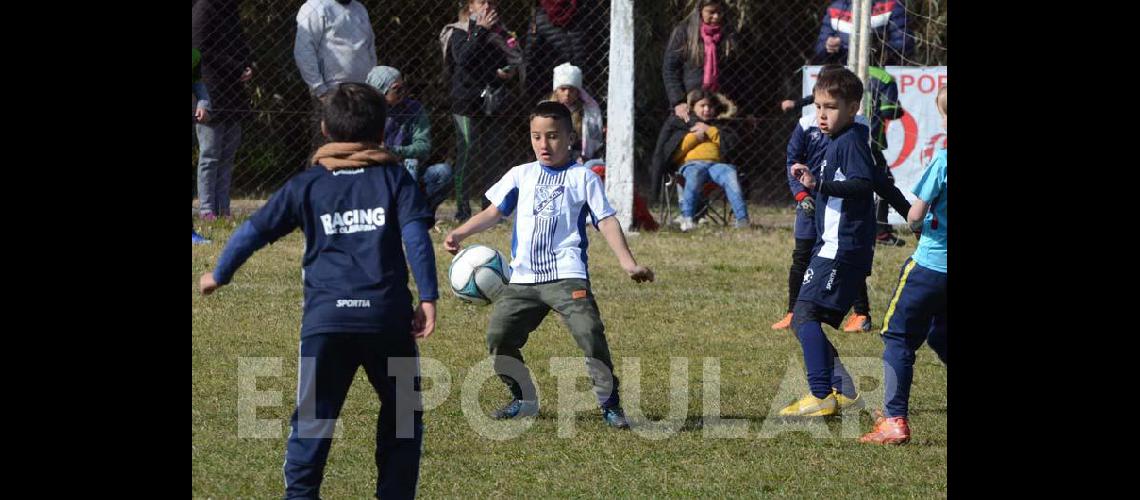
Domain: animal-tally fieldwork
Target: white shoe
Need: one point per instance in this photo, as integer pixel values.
(687, 224)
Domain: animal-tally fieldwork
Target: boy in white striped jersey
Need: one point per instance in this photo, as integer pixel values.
(553, 197)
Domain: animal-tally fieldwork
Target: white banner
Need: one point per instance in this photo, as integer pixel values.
(913, 138)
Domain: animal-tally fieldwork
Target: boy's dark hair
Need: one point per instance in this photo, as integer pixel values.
(827, 68)
(839, 83)
(355, 112)
(556, 110)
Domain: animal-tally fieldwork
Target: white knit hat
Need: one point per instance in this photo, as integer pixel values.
(567, 74)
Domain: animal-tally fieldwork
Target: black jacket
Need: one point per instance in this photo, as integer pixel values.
(681, 76)
(225, 54)
(471, 63)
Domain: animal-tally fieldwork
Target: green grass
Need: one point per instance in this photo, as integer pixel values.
(716, 295)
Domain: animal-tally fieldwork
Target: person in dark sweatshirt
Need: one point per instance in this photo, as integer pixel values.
(359, 211)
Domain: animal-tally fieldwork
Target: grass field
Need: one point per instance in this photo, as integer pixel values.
(716, 295)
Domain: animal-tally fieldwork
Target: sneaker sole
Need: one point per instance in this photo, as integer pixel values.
(892, 441)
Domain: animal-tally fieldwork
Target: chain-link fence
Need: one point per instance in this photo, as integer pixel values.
(772, 40)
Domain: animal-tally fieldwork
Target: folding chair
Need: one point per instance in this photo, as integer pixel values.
(711, 194)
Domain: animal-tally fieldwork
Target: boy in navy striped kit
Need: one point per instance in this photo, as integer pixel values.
(359, 210)
(844, 249)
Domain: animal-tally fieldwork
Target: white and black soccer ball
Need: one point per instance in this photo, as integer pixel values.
(478, 274)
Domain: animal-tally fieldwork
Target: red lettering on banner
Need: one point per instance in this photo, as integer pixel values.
(907, 80)
(910, 137)
(941, 80)
(929, 84)
(928, 151)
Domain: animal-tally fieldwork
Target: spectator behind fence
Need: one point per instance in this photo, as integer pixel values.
(590, 129)
(585, 112)
(556, 34)
(888, 23)
(700, 55)
(704, 148)
(407, 134)
(217, 31)
(200, 104)
(334, 44)
(480, 57)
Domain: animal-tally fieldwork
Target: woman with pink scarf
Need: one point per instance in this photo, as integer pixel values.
(701, 52)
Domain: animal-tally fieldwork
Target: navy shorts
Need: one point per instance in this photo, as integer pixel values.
(829, 290)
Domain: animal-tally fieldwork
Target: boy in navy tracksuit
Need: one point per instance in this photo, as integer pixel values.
(844, 249)
(355, 206)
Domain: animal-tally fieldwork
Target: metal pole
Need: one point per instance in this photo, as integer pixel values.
(864, 49)
(619, 136)
(853, 38)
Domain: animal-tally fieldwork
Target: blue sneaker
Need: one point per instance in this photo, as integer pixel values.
(615, 417)
(197, 238)
(516, 408)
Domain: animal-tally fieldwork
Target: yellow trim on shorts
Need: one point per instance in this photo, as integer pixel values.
(898, 292)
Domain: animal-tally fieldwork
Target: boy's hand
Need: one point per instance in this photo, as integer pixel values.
(201, 115)
(246, 75)
(451, 242)
(423, 321)
(206, 283)
(787, 105)
(640, 274)
(803, 174)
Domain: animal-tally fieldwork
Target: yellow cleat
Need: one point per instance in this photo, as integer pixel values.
(811, 406)
(845, 402)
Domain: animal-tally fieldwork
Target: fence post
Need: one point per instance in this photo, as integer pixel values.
(853, 40)
(619, 136)
(864, 22)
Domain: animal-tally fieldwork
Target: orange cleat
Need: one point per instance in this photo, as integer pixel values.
(784, 323)
(892, 430)
(858, 323)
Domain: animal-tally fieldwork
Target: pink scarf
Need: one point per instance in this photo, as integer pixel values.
(711, 36)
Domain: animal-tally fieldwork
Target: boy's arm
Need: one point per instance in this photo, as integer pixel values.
(795, 154)
(891, 194)
(476, 224)
(271, 222)
(611, 230)
(504, 198)
(242, 244)
(928, 188)
(421, 258)
(916, 215)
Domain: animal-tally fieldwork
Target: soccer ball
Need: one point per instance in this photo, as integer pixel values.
(478, 274)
